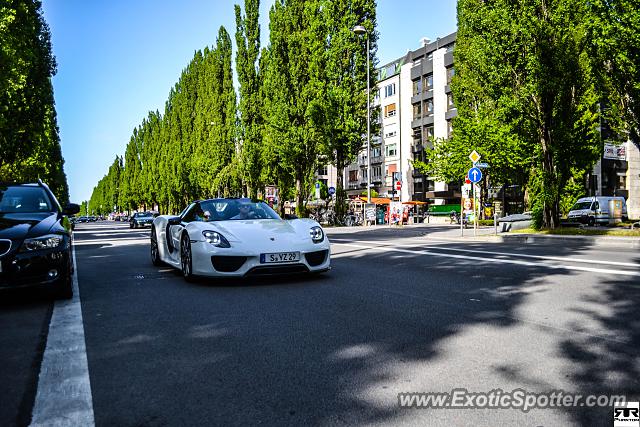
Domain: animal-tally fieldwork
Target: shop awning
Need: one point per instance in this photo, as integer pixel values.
(377, 200)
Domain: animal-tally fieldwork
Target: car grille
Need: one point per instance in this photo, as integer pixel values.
(316, 258)
(270, 270)
(227, 264)
(5, 246)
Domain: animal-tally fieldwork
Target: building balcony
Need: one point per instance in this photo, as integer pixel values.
(377, 159)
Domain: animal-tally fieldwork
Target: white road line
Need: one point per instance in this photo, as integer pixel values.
(64, 392)
(496, 260)
(542, 257)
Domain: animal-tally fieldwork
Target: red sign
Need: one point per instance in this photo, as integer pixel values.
(398, 185)
(467, 180)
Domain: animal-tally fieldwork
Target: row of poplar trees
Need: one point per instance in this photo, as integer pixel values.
(301, 104)
(29, 137)
(536, 82)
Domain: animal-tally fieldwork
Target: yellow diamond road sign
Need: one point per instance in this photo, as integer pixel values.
(474, 156)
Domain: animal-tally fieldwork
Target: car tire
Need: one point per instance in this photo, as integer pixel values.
(65, 289)
(131, 225)
(186, 261)
(591, 221)
(155, 254)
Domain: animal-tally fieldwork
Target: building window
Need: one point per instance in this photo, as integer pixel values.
(417, 136)
(450, 47)
(449, 129)
(391, 150)
(376, 152)
(417, 87)
(450, 104)
(353, 176)
(428, 107)
(428, 82)
(428, 133)
(390, 110)
(450, 73)
(376, 171)
(322, 170)
(417, 111)
(364, 174)
(390, 90)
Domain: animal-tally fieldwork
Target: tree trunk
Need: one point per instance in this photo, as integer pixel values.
(339, 204)
(550, 206)
(300, 211)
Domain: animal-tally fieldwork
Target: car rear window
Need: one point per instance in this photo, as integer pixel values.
(22, 199)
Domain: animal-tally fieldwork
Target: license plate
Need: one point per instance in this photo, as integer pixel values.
(279, 257)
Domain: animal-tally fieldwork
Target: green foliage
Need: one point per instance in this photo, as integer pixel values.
(526, 94)
(614, 34)
(374, 193)
(29, 139)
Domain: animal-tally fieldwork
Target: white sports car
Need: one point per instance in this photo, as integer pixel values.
(238, 237)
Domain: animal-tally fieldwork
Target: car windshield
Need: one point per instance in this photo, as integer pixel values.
(581, 205)
(23, 199)
(234, 209)
(144, 215)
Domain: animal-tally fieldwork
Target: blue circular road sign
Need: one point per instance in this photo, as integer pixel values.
(475, 175)
(332, 191)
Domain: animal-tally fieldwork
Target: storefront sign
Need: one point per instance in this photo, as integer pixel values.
(615, 152)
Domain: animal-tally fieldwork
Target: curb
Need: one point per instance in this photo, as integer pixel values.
(610, 241)
(619, 241)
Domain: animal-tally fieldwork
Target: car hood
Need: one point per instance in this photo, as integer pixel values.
(260, 230)
(18, 226)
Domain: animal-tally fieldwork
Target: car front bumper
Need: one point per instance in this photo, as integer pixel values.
(47, 268)
(208, 260)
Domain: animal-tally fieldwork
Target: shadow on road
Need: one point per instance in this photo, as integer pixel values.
(337, 349)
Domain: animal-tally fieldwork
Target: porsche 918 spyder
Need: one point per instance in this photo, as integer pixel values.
(236, 238)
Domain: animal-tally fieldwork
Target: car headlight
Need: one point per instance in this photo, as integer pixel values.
(216, 239)
(49, 241)
(317, 235)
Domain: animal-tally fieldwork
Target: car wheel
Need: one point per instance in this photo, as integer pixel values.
(185, 258)
(155, 255)
(65, 289)
(591, 221)
(130, 225)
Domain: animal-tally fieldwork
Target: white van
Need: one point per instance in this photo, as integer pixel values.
(592, 210)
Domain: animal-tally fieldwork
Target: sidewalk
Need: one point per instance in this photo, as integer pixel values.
(486, 234)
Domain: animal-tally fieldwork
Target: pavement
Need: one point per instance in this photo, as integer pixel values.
(406, 309)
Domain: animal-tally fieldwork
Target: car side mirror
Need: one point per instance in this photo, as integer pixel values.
(290, 216)
(71, 209)
(175, 220)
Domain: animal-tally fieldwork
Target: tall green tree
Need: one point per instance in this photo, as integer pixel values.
(250, 105)
(522, 69)
(293, 89)
(345, 82)
(29, 137)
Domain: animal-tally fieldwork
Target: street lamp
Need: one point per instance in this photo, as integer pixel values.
(359, 30)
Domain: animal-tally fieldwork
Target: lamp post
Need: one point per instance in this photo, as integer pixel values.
(359, 30)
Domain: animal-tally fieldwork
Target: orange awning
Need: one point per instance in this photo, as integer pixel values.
(377, 200)
(415, 202)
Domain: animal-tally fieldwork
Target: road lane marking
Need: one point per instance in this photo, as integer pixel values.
(64, 391)
(496, 260)
(542, 257)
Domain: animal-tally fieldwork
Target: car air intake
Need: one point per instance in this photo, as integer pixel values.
(316, 258)
(270, 270)
(5, 246)
(227, 264)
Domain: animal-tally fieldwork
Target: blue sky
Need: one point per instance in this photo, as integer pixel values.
(118, 59)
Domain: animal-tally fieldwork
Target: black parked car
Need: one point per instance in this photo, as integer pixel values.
(141, 219)
(35, 239)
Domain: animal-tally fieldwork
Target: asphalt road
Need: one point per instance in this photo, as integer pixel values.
(400, 312)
